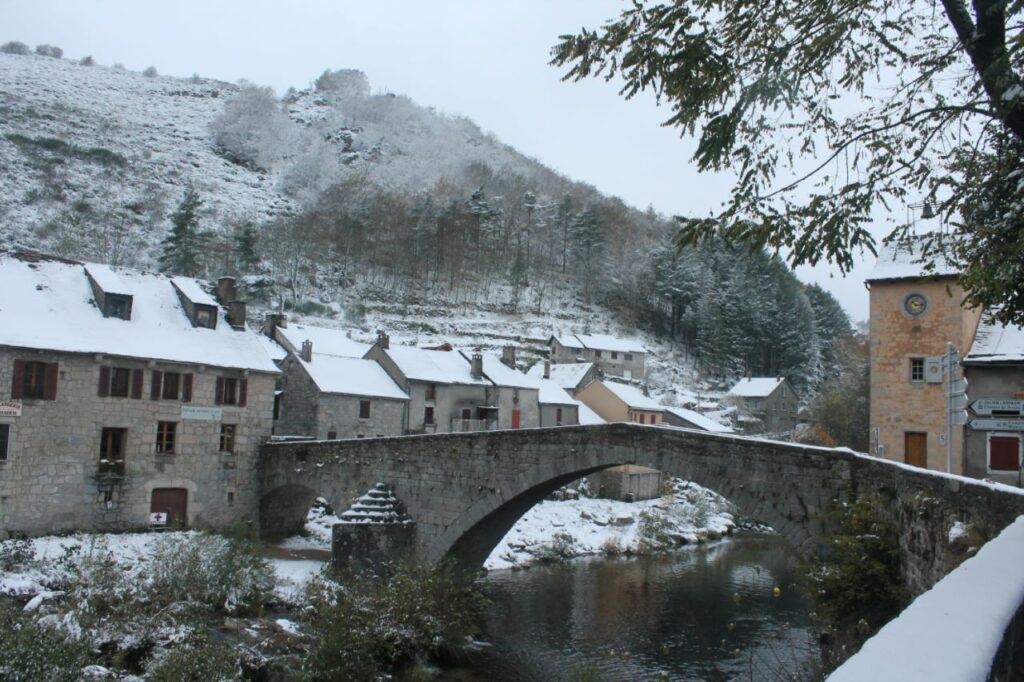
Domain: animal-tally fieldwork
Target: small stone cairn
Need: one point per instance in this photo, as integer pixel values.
(373, 534)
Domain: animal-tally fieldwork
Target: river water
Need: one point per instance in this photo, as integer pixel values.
(709, 612)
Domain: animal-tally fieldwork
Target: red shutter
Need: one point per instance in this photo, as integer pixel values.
(218, 393)
(18, 382)
(154, 384)
(104, 388)
(186, 388)
(243, 390)
(50, 381)
(137, 375)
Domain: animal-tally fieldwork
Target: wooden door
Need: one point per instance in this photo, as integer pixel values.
(173, 502)
(915, 449)
(516, 418)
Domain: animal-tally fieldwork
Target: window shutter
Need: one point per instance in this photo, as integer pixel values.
(104, 387)
(137, 383)
(18, 381)
(243, 390)
(186, 388)
(50, 381)
(155, 384)
(218, 393)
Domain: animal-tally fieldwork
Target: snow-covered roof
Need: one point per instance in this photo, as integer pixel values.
(756, 387)
(588, 417)
(273, 348)
(611, 343)
(903, 260)
(632, 396)
(351, 376)
(193, 291)
(552, 394)
(48, 304)
(567, 375)
(435, 366)
(503, 375)
(568, 341)
(699, 420)
(107, 279)
(995, 343)
(325, 340)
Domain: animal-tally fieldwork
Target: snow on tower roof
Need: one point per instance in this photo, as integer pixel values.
(699, 420)
(995, 342)
(903, 260)
(632, 396)
(351, 376)
(756, 387)
(47, 303)
(325, 340)
(435, 366)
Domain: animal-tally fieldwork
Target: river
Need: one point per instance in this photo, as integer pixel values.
(710, 612)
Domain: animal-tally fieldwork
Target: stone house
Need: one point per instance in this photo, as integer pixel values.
(572, 377)
(615, 402)
(330, 396)
(994, 369)
(619, 357)
(557, 407)
(914, 315)
(688, 419)
(135, 399)
(516, 393)
(765, 404)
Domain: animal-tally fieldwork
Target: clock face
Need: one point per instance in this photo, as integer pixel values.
(915, 304)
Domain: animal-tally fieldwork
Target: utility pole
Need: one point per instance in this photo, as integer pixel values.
(956, 400)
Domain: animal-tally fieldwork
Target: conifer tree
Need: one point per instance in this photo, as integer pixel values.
(183, 247)
(247, 257)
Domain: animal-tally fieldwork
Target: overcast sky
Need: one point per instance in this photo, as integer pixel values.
(486, 59)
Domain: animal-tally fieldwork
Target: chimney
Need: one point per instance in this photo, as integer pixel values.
(307, 350)
(508, 356)
(477, 365)
(547, 369)
(273, 321)
(236, 315)
(383, 342)
(226, 290)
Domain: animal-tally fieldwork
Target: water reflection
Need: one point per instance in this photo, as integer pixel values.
(706, 613)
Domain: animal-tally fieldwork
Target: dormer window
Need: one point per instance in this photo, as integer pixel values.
(205, 317)
(118, 306)
(111, 293)
(199, 305)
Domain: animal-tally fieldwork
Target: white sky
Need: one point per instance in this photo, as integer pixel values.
(486, 59)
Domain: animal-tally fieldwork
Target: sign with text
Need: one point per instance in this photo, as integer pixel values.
(202, 414)
(997, 424)
(10, 408)
(988, 406)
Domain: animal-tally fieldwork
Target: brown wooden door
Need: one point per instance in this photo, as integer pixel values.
(173, 502)
(516, 418)
(915, 449)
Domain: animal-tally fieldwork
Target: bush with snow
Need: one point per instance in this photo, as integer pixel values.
(150, 72)
(15, 47)
(35, 652)
(87, 60)
(49, 51)
(252, 130)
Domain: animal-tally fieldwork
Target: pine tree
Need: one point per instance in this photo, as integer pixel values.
(247, 256)
(184, 245)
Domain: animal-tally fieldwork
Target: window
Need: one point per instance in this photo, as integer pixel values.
(1003, 452)
(628, 357)
(231, 391)
(5, 441)
(117, 306)
(120, 382)
(34, 380)
(231, 498)
(431, 392)
(171, 386)
(112, 446)
(165, 436)
(428, 415)
(227, 437)
(332, 435)
(641, 417)
(917, 369)
(558, 416)
(364, 409)
(467, 413)
(615, 355)
(597, 353)
(204, 317)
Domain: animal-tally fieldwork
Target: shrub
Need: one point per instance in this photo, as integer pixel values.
(150, 72)
(35, 652)
(201, 660)
(16, 554)
(366, 625)
(87, 60)
(49, 51)
(655, 531)
(561, 547)
(14, 47)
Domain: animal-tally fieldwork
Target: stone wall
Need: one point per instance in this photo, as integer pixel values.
(299, 402)
(51, 480)
(465, 491)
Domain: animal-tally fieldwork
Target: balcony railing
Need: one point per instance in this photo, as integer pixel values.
(468, 425)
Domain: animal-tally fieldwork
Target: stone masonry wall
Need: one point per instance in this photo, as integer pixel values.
(50, 482)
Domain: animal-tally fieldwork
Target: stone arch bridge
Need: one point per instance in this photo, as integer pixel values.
(465, 491)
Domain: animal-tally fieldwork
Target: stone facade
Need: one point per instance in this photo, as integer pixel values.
(52, 479)
(306, 411)
(775, 412)
(908, 413)
(630, 365)
(559, 415)
(988, 381)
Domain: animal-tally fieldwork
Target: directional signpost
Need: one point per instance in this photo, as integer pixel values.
(997, 424)
(997, 407)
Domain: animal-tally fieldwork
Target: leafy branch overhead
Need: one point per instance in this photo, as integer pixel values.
(826, 110)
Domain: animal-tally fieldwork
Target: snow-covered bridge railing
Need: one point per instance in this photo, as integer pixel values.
(968, 627)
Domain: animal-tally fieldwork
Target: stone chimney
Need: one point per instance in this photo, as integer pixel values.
(547, 369)
(477, 365)
(272, 321)
(307, 350)
(227, 290)
(383, 342)
(236, 315)
(508, 356)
